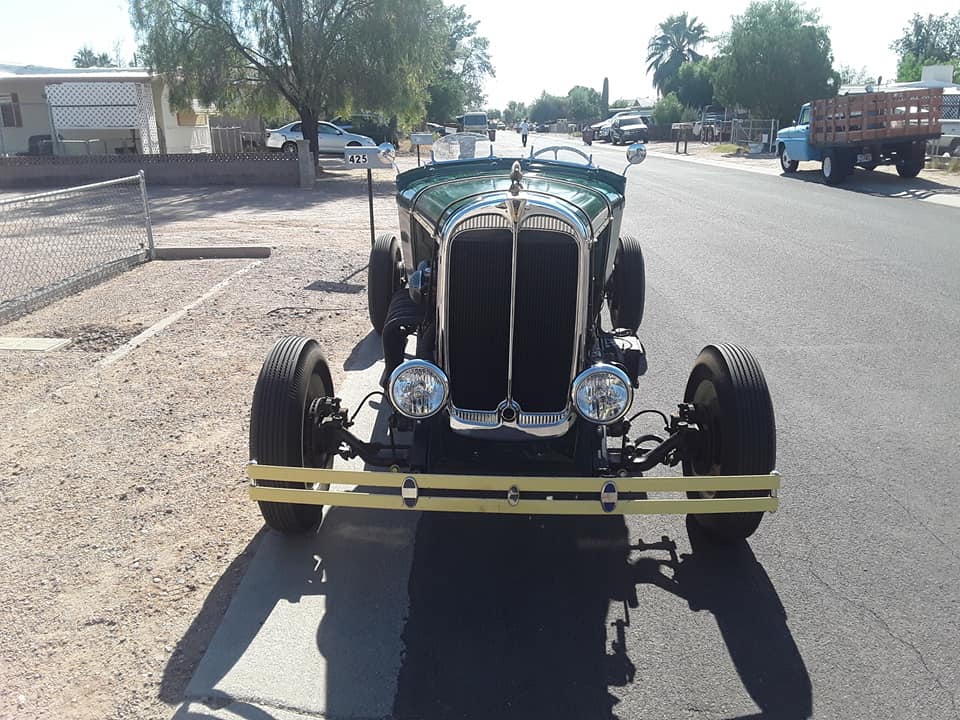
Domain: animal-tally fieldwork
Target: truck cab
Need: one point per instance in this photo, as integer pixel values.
(794, 141)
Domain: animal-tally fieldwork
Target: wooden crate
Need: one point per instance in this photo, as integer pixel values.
(877, 117)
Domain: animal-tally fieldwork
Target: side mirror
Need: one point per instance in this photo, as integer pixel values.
(636, 153)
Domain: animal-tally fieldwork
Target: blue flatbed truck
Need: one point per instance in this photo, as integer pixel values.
(865, 130)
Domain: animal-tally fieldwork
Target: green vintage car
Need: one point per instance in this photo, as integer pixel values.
(509, 305)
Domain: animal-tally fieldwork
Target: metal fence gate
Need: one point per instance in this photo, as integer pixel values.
(56, 243)
(760, 135)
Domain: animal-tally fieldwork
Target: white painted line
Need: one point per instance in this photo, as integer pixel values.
(35, 344)
(140, 339)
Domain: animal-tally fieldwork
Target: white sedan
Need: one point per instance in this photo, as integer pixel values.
(330, 138)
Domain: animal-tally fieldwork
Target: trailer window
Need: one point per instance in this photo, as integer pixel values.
(10, 111)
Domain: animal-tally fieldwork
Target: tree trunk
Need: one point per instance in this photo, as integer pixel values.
(308, 126)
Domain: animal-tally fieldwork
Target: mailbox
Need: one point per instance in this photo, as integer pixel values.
(368, 158)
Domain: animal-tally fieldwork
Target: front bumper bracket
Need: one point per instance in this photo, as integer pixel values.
(514, 495)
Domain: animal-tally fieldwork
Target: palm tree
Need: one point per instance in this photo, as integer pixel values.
(86, 58)
(675, 44)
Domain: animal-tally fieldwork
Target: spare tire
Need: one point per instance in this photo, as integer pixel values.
(384, 278)
(627, 288)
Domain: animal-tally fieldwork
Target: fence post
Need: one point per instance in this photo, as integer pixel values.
(146, 214)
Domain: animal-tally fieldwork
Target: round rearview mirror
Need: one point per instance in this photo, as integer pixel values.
(636, 153)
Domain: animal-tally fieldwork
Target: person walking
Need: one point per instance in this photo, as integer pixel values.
(524, 129)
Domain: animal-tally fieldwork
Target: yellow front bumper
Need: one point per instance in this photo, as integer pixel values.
(517, 495)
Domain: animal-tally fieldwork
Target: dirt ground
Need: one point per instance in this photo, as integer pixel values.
(124, 521)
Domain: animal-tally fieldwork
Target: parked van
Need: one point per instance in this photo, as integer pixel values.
(473, 122)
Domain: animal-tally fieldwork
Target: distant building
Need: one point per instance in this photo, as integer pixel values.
(79, 111)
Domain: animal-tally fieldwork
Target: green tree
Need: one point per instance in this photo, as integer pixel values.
(547, 108)
(695, 83)
(934, 39)
(514, 112)
(667, 111)
(494, 114)
(605, 98)
(320, 56)
(776, 56)
(675, 44)
(465, 64)
(85, 57)
(583, 104)
(623, 103)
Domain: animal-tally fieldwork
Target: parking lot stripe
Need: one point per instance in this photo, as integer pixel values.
(137, 341)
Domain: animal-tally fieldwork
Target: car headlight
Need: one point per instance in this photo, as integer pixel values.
(418, 389)
(602, 394)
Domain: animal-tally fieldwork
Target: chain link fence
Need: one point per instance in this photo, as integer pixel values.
(57, 243)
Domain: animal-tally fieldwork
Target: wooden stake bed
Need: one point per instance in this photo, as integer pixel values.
(877, 117)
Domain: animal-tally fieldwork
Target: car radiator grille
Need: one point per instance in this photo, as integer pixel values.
(478, 318)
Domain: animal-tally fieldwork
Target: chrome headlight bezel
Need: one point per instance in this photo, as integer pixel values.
(592, 374)
(424, 366)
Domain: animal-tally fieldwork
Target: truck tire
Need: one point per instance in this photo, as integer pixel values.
(786, 164)
(834, 168)
(911, 161)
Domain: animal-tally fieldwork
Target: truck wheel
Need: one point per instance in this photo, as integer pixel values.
(627, 287)
(911, 161)
(834, 168)
(738, 432)
(786, 164)
(384, 277)
(293, 375)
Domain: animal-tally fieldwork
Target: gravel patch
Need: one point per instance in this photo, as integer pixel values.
(124, 521)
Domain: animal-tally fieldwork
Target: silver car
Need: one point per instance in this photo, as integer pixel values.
(330, 138)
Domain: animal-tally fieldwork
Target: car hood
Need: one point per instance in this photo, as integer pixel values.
(436, 190)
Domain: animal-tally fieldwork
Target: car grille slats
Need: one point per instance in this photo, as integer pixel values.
(478, 332)
(545, 319)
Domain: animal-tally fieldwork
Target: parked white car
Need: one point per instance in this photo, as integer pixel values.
(330, 138)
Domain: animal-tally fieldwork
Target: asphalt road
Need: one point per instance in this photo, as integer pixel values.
(844, 604)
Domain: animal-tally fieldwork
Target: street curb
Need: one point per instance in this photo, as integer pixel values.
(211, 252)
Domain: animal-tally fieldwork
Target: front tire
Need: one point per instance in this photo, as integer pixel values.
(786, 164)
(384, 278)
(738, 432)
(294, 374)
(627, 291)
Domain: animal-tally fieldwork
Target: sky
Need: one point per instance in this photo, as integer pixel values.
(535, 46)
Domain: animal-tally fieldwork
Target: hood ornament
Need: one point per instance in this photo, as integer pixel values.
(515, 204)
(516, 175)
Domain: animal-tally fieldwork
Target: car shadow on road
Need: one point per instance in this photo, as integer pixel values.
(508, 618)
(731, 584)
(436, 616)
(881, 184)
